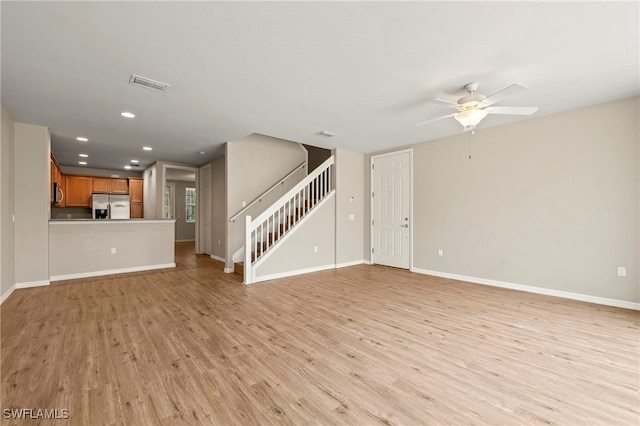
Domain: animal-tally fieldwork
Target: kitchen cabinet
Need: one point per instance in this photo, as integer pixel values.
(101, 185)
(79, 190)
(137, 211)
(110, 185)
(57, 178)
(136, 197)
(119, 186)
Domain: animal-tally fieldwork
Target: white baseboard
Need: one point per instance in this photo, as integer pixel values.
(531, 289)
(214, 257)
(7, 294)
(352, 263)
(292, 273)
(111, 272)
(39, 283)
(229, 270)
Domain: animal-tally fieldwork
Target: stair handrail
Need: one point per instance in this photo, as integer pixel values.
(323, 188)
(261, 196)
(289, 194)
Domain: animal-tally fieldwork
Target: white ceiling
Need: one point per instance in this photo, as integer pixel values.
(291, 69)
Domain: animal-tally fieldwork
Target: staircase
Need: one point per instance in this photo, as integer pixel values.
(271, 228)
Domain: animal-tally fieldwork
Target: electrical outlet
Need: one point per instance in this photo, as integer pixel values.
(440, 252)
(315, 249)
(218, 242)
(113, 250)
(352, 217)
(244, 204)
(622, 271)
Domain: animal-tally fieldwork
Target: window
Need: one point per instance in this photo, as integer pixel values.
(190, 204)
(169, 201)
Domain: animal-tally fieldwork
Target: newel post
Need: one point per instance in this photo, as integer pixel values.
(247, 250)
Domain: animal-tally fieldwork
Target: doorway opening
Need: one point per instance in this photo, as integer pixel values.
(179, 201)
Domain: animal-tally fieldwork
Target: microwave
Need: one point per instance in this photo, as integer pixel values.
(58, 194)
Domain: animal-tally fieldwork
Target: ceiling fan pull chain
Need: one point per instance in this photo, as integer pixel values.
(470, 133)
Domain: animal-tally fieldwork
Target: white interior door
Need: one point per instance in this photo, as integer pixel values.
(391, 209)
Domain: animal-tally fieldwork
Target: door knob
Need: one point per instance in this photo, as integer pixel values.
(405, 226)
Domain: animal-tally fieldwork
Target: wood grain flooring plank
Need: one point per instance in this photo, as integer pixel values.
(362, 345)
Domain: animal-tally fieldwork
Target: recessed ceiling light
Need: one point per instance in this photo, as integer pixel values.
(147, 148)
(82, 139)
(127, 114)
(134, 161)
(127, 167)
(82, 163)
(83, 155)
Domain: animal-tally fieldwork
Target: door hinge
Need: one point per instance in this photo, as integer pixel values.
(372, 222)
(372, 167)
(373, 194)
(373, 250)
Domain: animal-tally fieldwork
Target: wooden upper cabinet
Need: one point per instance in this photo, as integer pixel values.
(119, 186)
(135, 190)
(56, 177)
(78, 191)
(101, 185)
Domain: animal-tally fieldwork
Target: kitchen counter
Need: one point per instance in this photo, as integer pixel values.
(80, 248)
(71, 221)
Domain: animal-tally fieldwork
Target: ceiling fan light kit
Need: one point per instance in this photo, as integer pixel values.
(471, 118)
(473, 107)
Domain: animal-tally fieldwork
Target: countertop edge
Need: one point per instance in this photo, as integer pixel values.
(108, 221)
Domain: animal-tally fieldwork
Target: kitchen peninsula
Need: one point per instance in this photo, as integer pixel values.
(88, 248)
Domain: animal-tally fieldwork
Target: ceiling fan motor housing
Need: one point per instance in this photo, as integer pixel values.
(471, 100)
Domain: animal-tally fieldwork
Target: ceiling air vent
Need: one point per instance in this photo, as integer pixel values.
(158, 86)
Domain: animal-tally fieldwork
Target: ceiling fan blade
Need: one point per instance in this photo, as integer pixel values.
(435, 119)
(512, 110)
(443, 102)
(504, 93)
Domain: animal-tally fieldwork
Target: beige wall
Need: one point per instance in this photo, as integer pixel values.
(32, 204)
(83, 248)
(7, 205)
(297, 253)
(349, 179)
(253, 165)
(551, 202)
(219, 207)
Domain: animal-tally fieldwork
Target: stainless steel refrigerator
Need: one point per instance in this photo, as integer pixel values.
(106, 206)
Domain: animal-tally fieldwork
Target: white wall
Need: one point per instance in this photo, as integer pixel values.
(349, 180)
(7, 205)
(551, 202)
(32, 204)
(90, 171)
(253, 164)
(150, 186)
(219, 206)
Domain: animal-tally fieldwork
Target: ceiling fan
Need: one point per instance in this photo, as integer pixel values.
(473, 107)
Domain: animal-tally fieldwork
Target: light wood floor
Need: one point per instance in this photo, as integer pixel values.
(363, 345)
